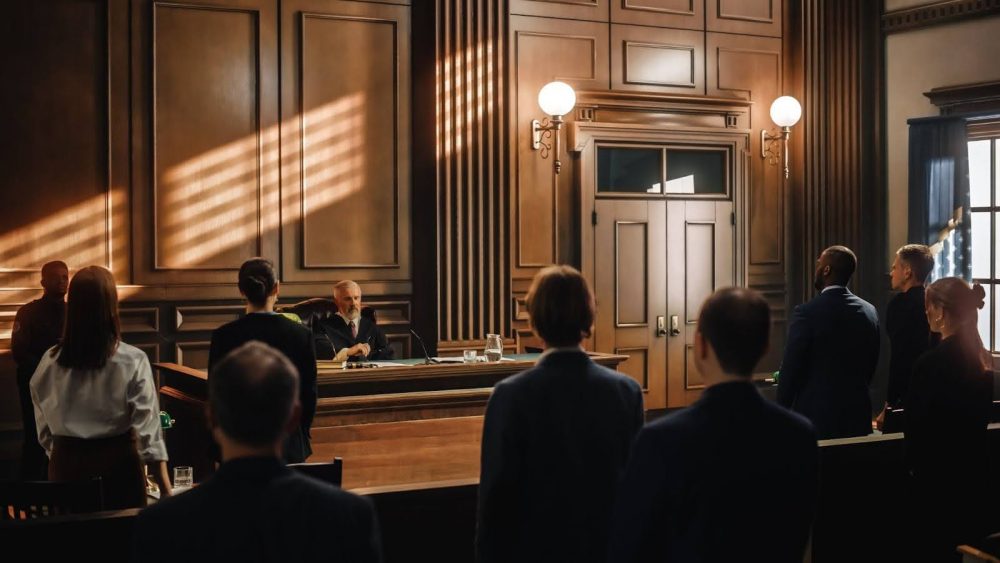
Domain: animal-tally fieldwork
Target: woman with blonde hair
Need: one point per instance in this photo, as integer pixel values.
(95, 399)
(946, 414)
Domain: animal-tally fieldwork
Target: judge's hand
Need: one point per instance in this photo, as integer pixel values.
(360, 349)
(880, 419)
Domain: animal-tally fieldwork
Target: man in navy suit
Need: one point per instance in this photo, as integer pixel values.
(831, 353)
(734, 477)
(254, 508)
(555, 439)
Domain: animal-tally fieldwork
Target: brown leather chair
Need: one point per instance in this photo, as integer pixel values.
(318, 308)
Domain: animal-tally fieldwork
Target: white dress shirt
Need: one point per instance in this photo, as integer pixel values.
(99, 403)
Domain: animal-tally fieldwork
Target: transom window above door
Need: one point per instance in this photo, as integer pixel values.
(694, 171)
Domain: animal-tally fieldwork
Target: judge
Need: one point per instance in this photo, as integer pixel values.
(350, 334)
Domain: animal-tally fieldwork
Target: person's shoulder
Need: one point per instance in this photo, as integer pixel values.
(613, 377)
(27, 309)
(321, 495)
(129, 356)
(791, 422)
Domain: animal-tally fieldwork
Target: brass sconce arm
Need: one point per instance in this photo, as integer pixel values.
(547, 129)
(770, 150)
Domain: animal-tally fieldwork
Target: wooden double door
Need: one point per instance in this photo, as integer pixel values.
(655, 262)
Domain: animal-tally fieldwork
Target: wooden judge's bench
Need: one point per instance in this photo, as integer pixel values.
(408, 390)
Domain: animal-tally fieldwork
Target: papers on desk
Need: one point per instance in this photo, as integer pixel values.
(387, 364)
(461, 360)
(448, 359)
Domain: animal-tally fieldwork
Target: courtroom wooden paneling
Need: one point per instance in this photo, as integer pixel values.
(471, 166)
(749, 17)
(543, 204)
(841, 198)
(684, 14)
(63, 160)
(593, 10)
(205, 139)
(751, 68)
(345, 141)
(657, 60)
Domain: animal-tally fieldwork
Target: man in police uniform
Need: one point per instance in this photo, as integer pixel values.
(38, 326)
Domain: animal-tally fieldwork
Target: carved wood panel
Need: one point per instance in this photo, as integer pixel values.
(543, 203)
(751, 17)
(594, 10)
(750, 68)
(205, 138)
(345, 141)
(657, 60)
(684, 14)
(62, 148)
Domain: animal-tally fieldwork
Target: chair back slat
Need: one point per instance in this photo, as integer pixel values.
(28, 500)
(332, 472)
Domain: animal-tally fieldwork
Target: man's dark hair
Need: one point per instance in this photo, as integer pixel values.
(736, 321)
(257, 280)
(561, 306)
(842, 263)
(48, 267)
(918, 257)
(252, 392)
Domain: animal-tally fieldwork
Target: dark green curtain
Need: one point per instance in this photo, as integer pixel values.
(939, 193)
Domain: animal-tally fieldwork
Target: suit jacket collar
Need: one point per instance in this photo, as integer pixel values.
(250, 469)
(729, 392)
(561, 355)
(338, 324)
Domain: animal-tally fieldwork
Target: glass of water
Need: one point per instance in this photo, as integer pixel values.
(183, 478)
(494, 347)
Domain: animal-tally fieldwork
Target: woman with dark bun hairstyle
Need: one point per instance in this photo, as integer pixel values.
(259, 286)
(946, 414)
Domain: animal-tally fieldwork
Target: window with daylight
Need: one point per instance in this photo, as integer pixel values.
(984, 195)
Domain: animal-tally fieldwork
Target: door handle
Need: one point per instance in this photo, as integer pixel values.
(661, 326)
(675, 327)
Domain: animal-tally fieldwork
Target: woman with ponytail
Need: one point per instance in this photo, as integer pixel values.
(947, 411)
(259, 286)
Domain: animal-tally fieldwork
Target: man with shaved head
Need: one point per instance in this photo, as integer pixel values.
(38, 326)
(351, 333)
(831, 352)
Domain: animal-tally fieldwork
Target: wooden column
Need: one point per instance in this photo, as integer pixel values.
(840, 198)
(470, 171)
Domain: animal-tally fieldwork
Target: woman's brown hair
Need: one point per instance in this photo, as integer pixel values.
(92, 329)
(962, 303)
(561, 306)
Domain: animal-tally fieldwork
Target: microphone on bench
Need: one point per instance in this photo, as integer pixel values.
(427, 357)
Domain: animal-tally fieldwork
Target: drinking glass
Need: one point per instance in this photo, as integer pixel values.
(183, 478)
(469, 356)
(494, 347)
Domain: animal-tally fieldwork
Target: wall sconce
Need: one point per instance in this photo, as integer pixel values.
(556, 99)
(785, 112)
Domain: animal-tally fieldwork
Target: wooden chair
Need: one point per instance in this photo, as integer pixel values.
(27, 500)
(332, 472)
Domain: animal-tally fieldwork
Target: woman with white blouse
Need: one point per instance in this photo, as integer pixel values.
(95, 400)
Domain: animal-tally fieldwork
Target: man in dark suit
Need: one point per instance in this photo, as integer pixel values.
(254, 508)
(906, 318)
(555, 438)
(38, 326)
(733, 477)
(831, 353)
(350, 334)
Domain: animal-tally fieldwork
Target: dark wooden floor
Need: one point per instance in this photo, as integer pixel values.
(403, 453)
